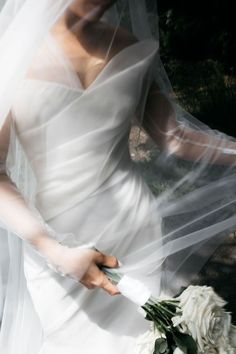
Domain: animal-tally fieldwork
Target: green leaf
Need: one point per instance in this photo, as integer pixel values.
(161, 346)
(185, 342)
(148, 317)
(170, 340)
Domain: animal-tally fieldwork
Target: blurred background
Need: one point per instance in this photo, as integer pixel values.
(198, 50)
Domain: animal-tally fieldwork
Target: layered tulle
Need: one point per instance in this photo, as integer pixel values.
(69, 156)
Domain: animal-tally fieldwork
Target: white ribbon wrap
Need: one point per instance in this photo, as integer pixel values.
(178, 351)
(134, 290)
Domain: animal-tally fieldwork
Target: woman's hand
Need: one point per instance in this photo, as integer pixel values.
(94, 277)
(80, 264)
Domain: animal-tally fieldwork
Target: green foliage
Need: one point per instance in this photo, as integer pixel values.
(205, 91)
(185, 343)
(198, 50)
(173, 340)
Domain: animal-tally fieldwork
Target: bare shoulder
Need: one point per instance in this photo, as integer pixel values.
(107, 38)
(122, 39)
(98, 38)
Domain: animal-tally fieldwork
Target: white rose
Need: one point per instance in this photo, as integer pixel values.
(210, 350)
(145, 343)
(205, 319)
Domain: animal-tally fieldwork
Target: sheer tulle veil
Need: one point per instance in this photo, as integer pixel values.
(191, 170)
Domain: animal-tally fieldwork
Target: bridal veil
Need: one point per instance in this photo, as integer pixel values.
(191, 173)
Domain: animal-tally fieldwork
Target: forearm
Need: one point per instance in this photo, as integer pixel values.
(16, 214)
(195, 145)
(170, 135)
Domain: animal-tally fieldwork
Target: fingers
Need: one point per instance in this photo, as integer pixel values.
(108, 261)
(109, 287)
(97, 279)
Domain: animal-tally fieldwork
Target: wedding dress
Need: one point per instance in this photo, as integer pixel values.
(69, 155)
(88, 133)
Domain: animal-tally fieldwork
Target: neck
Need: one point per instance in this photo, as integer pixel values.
(71, 23)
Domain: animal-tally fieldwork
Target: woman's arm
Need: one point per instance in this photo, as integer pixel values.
(79, 264)
(161, 124)
(14, 211)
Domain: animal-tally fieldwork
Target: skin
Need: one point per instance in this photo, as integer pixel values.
(87, 41)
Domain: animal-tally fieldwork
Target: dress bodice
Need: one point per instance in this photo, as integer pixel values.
(80, 135)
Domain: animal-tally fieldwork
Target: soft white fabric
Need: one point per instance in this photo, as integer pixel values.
(134, 290)
(72, 196)
(76, 141)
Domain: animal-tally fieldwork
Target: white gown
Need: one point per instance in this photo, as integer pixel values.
(89, 133)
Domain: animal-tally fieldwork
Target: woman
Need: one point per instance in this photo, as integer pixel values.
(74, 90)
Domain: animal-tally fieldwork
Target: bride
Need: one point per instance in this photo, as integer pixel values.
(75, 76)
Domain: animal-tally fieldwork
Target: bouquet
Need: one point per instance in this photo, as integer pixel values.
(194, 322)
